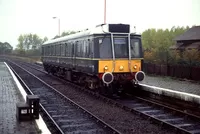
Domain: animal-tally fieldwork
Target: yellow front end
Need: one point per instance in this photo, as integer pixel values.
(121, 66)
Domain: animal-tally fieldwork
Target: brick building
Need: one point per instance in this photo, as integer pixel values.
(188, 40)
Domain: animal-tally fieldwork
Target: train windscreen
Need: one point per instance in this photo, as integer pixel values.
(121, 47)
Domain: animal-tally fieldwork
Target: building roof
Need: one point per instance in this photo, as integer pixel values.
(191, 34)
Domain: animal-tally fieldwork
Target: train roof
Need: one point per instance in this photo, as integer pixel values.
(100, 29)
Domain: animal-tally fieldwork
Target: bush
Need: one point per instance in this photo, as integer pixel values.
(176, 57)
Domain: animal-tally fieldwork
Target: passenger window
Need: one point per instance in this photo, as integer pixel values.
(90, 42)
(66, 50)
(62, 49)
(87, 48)
(58, 49)
(45, 50)
(70, 50)
(54, 50)
(49, 52)
(77, 49)
(84, 53)
(51, 47)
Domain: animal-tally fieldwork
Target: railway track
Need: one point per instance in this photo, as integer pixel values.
(67, 116)
(180, 121)
(167, 116)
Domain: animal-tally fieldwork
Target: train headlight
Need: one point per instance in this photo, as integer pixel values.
(135, 67)
(121, 68)
(106, 68)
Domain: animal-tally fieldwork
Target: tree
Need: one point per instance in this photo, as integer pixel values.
(156, 43)
(20, 44)
(5, 48)
(36, 41)
(30, 44)
(191, 56)
(30, 41)
(45, 39)
(65, 34)
(56, 37)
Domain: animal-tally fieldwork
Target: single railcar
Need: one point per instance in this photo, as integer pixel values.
(107, 57)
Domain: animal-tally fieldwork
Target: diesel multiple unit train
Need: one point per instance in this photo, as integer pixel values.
(107, 57)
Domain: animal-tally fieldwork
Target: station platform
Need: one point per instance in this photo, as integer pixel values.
(9, 96)
(181, 89)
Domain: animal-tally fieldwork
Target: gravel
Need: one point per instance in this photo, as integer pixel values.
(122, 120)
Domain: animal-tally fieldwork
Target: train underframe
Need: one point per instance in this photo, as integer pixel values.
(121, 83)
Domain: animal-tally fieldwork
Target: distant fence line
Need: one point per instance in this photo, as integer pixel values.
(178, 71)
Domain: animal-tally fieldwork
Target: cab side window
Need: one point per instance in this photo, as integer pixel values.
(135, 48)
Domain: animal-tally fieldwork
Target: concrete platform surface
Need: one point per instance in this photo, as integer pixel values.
(173, 84)
(9, 96)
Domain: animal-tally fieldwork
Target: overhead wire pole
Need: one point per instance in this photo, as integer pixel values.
(104, 11)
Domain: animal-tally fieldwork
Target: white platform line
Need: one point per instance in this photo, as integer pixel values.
(40, 122)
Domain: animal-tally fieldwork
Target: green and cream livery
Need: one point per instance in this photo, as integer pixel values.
(105, 56)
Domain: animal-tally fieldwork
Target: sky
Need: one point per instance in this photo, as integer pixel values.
(36, 16)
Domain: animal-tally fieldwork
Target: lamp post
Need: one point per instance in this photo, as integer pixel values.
(58, 25)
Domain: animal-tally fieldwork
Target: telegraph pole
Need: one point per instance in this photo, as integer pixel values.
(104, 11)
